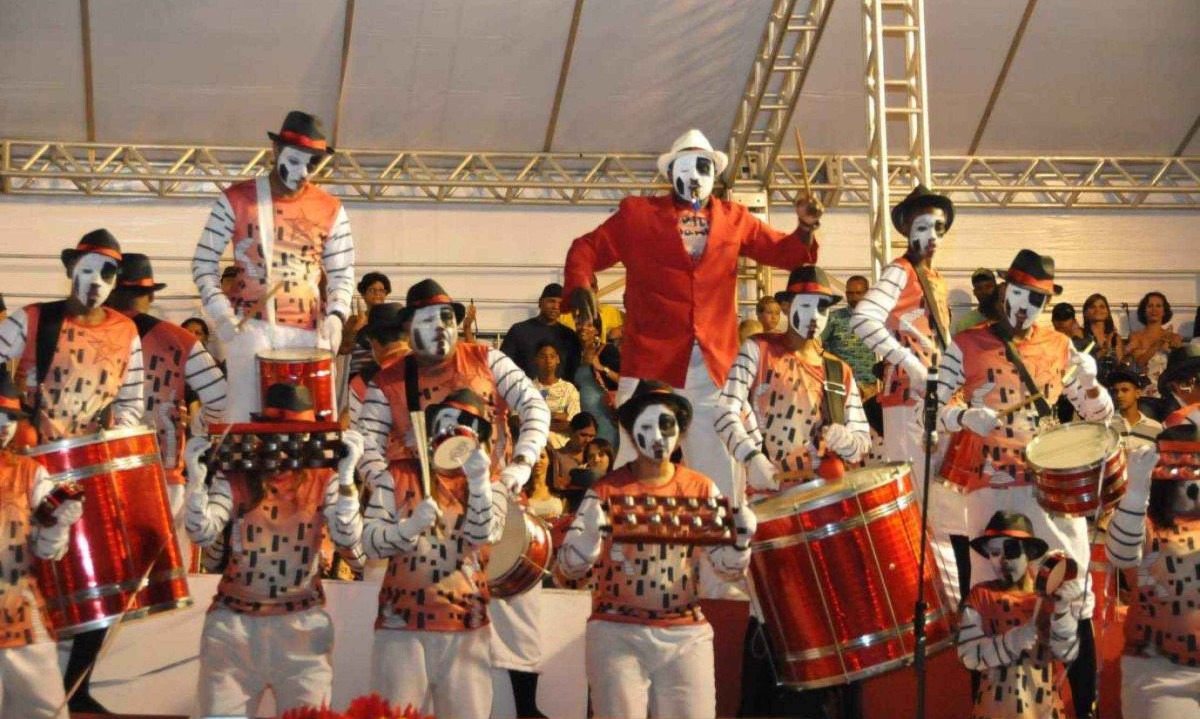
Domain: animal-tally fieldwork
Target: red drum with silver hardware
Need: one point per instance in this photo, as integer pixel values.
(835, 577)
(522, 556)
(122, 553)
(1077, 467)
(311, 368)
(452, 446)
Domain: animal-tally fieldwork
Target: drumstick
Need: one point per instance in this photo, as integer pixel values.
(261, 303)
(803, 162)
(417, 419)
(1012, 409)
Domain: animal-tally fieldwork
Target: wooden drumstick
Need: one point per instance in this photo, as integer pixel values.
(803, 162)
(420, 436)
(1013, 409)
(260, 304)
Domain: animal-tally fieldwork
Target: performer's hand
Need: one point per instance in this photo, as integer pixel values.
(1086, 374)
(760, 473)
(193, 455)
(916, 371)
(515, 476)
(478, 469)
(1021, 639)
(809, 211)
(330, 332)
(840, 439)
(424, 515)
(980, 420)
(354, 444)
(745, 521)
(68, 512)
(584, 304)
(1141, 462)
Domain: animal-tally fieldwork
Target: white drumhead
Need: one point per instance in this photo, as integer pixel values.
(451, 452)
(511, 547)
(1077, 444)
(295, 354)
(818, 493)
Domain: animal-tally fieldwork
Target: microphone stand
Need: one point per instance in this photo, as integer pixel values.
(921, 607)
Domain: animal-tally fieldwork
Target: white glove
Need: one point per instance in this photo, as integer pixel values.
(1021, 639)
(746, 523)
(1140, 464)
(760, 473)
(980, 420)
(68, 512)
(515, 476)
(422, 518)
(196, 470)
(1086, 374)
(917, 373)
(588, 542)
(354, 444)
(176, 494)
(840, 439)
(478, 470)
(330, 332)
(225, 322)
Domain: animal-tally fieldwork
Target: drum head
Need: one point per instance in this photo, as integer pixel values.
(295, 354)
(508, 551)
(1068, 446)
(451, 448)
(818, 493)
(1057, 568)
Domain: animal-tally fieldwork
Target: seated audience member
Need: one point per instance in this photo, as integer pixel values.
(1125, 386)
(1062, 317)
(561, 396)
(570, 455)
(768, 313)
(596, 379)
(983, 286)
(198, 328)
(842, 343)
(1149, 346)
(542, 503)
(374, 289)
(610, 316)
(747, 329)
(1099, 329)
(522, 341)
(598, 460)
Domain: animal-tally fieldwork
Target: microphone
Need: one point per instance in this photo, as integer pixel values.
(931, 388)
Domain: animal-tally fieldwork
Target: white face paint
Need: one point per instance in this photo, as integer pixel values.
(808, 315)
(1022, 306)
(1010, 569)
(294, 166)
(434, 331)
(925, 231)
(8, 429)
(692, 176)
(93, 278)
(656, 432)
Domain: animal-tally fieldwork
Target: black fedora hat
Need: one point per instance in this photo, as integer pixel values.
(303, 132)
(471, 411)
(1181, 362)
(808, 280)
(648, 392)
(382, 317)
(10, 396)
(1034, 271)
(287, 402)
(137, 274)
(1014, 525)
(100, 241)
(428, 293)
(920, 198)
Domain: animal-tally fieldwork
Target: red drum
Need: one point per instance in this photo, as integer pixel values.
(522, 556)
(835, 577)
(1178, 454)
(311, 368)
(452, 446)
(961, 462)
(123, 551)
(1056, 569)
(1077, 468)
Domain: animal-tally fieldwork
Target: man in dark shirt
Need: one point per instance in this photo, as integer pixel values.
(523, 338)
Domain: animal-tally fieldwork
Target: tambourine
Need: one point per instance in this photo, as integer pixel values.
(1056, 569)
(275, 446)
(452, 446)
(62, 492)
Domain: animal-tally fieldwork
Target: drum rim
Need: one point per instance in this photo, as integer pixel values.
(1111, 433)
(130, 586)
(139, 613)
(832, 529)
(885, 667)
(309, 354)
(526, 516)
(103, 436)
(862, 641)
(838, 492)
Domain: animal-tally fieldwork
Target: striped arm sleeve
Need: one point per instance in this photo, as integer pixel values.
(483, 521)
(337, 257)
(208, 511)
(374, 422)
(950, 378)
(345, 524)
(977, 650)
(204, 377)
(47, 542)
(13, 334)
(856, 422)
(1092, 409)
(206, 260)
(520, 394)
(1126, 538)
(381, 537)
(734, 403)
(128, 407)
(353, 407)
(870, 315)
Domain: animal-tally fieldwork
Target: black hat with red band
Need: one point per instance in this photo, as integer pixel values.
(1033, 271)
(99, 241)
(1012, 525)
(428, 293)
(303, 132)
(286, 403)
(808, 280)
(137, 275)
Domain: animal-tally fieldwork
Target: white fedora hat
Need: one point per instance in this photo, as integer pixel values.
(693, 141)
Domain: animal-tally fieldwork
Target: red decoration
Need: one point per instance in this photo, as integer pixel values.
(368, 707)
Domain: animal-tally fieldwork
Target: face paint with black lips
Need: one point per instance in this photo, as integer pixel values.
(1007, 558)
(294, 166)
(808, 315)
(1022, 306)
(656, 432)
(925, 230)
(93, 278)
(434, 331)
(692, 176)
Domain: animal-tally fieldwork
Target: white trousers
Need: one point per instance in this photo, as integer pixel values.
(636, 671)
(241, 366)
(515, 640)
(30, 683)
(445, 674)
(241, 655)
(1155, 688)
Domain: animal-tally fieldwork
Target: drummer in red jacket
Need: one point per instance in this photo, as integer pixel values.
(680, 253)
(31, 523)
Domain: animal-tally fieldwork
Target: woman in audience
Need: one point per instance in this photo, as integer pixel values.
(560, 395)
(596, 378)
(542, 502)
(1149, 346)
(374, 289)
(1099, 328)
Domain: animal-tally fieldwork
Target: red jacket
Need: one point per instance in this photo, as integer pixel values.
(669, 303)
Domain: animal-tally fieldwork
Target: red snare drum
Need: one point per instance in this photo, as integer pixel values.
(962, 460)
(124, 543)
(522, 556)
(1178, 454)
(311, 368)
(835, 577)
(1077, 468)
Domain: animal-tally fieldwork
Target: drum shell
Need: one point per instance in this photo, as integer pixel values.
(126, 533)
(956, 470)
(532, 561)
(311, 368)
(836, 582)
(1178, 459)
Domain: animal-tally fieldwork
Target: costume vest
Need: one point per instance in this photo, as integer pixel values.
(165, 351)
(1166, 613)
(911, 324)
(21, 603)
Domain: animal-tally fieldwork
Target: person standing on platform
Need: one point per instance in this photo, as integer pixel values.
(680, 253)
(841, 342)
(286, 233)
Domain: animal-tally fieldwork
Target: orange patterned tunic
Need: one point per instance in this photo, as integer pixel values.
(20, 599)
(1165, 618)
